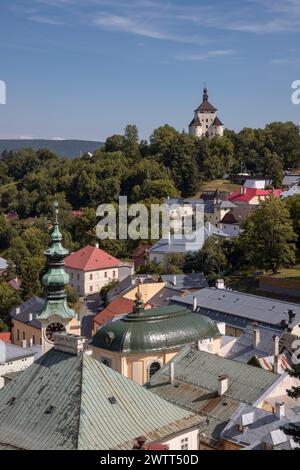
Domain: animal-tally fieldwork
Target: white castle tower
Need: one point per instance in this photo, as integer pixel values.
(206, 122)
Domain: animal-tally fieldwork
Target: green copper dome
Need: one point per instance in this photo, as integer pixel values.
(157, 329)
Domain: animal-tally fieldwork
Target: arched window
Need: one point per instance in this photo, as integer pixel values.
(153, 368)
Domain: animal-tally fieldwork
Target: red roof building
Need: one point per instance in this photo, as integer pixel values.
(6, 337)
(91, 268)
(252, 195)
(91, 258)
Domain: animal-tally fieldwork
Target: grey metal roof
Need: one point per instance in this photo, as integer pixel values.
(12, 352)
(290, 180)
(32, 306)
(62, 402)
(263, 428)
(3, 264)
(196, 382)
(243, 349)
(185, 281)
(238, 308)
(183, 244)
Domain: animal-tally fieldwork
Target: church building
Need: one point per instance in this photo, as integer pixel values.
(206, 122)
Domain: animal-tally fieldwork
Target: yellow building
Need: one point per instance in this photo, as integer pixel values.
(140, 343)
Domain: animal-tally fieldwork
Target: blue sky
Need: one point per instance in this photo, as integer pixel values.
(86, 68)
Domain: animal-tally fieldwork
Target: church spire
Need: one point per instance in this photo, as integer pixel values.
(56, 278)
(205, 94)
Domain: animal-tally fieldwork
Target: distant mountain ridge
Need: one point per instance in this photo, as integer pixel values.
(63, 148)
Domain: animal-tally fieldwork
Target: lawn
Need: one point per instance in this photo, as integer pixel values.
(221, 185)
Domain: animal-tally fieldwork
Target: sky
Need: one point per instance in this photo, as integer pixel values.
(84, 69)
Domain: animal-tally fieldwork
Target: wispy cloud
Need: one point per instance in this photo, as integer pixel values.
(140, 27)
(204, 56)
(47, 20)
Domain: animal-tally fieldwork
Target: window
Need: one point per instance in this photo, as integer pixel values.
(105, 274)
(33, 339)
(24, 336)
(77, 277)
(18, 335)
(91, 277)
(185, 443)
(153, 368)
(72, 275)
(91, 288)
(114, 273)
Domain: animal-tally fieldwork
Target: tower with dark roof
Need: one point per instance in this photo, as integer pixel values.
(206, 122)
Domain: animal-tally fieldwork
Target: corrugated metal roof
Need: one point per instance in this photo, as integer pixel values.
(243, 306)
(196, 384)
(157, 329)
(264, 428)
(11, 352)
(243, 349)
(62, 402)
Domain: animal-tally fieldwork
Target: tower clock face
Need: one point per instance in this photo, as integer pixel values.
(53, 328)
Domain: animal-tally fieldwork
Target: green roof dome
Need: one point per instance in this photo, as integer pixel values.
(157, 329)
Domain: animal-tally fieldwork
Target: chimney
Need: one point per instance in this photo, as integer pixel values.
(195, 303)
(256, 335)
(97, 245)
(222, 384)
(17, 310)
(276, 365)
(174, 280)
(220, 284)
(71, 344)
(30, 317)
(172, 372)
(279, 409)
(291, 315)
(275, 345)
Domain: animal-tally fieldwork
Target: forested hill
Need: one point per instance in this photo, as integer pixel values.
(63, 148)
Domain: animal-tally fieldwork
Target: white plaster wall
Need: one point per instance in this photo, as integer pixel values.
(174, 442)
(14, 366)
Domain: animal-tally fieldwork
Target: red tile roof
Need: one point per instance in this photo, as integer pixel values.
(91, 258)
(250, 193)
(116, 307)
(119, 306)
(6, 337)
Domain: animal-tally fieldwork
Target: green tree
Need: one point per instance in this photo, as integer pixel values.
(268, 238)
(9, 298)
(31, 270)
(210, 259)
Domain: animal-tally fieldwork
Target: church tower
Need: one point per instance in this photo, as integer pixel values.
(206, 122)
(56, 316)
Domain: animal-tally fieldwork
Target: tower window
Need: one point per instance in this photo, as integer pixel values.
(91, 277)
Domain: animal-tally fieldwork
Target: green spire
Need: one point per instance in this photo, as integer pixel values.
(56, 277)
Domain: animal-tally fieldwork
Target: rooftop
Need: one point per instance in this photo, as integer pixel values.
(65, 402)
(91, 258)
(246, 194)
(11, 352)
(220, 303)
(156, 329)
(264, 427)
(195, 386)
